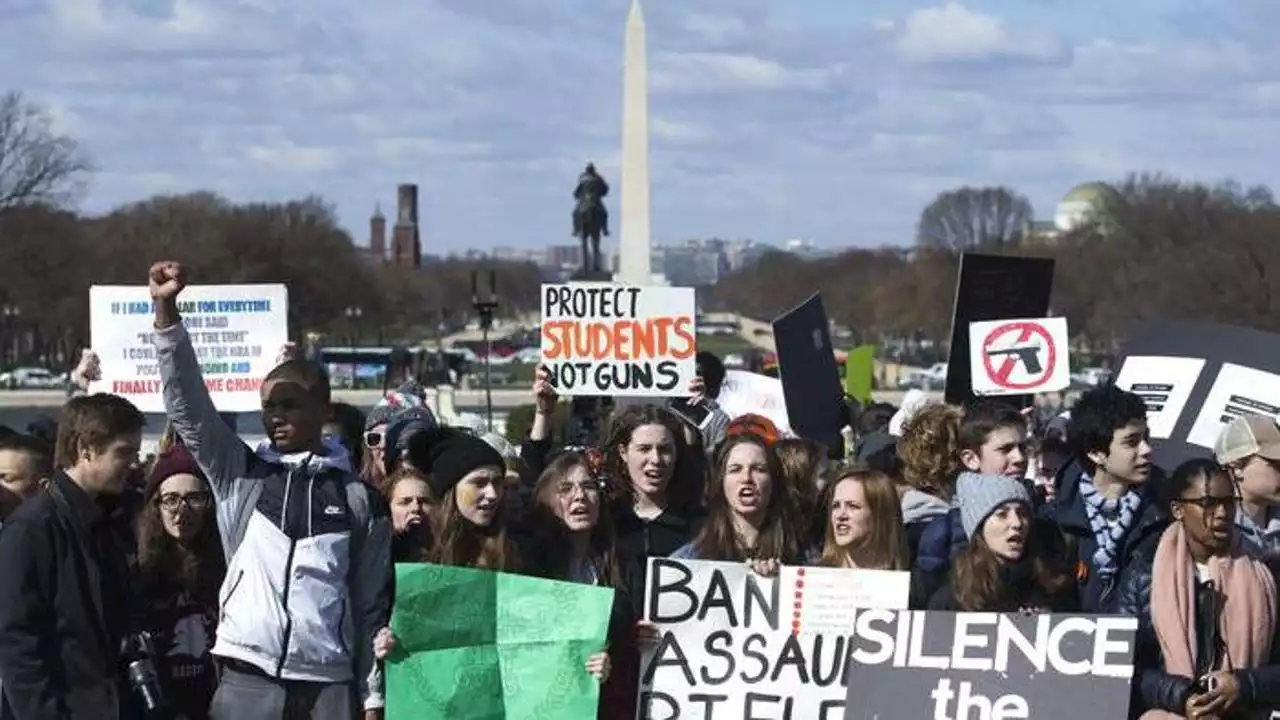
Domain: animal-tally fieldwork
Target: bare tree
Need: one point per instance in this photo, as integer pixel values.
(969, 218)
(37, 165)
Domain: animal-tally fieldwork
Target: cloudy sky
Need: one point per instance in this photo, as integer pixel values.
(834, 120)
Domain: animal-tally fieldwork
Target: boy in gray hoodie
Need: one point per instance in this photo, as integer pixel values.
(308, 545)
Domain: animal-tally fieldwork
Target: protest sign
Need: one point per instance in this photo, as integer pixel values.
(859, 373)
(993, 287)
(1019, 356)
(809, 374)
(989, 666)
(481, 645)
(1195, 377)
(612, 339)
(734, 644)
(237, 332)
(745, 392)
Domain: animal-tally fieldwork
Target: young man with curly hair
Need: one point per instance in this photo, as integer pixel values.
(1105, 500)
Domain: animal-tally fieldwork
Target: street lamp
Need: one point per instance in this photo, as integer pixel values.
(353, 313)
(10, 314)
(485, 309)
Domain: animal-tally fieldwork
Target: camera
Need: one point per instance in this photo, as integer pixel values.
(139, 652)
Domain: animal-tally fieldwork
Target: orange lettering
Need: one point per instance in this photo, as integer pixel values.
(554, 332)
(663, 326)
(683, 332)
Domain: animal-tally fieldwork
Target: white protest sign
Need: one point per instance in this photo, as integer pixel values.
(1019, 357)
(613, 339)
(237, 332)
(1164, 384)
(1238, 390)
(737, 645)
(745, 392)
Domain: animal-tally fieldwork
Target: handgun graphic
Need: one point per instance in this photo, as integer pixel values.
(1029, 355)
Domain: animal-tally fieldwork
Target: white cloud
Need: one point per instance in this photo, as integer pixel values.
(692, 72)
(952, 32)
(288, 157)
(767, 121)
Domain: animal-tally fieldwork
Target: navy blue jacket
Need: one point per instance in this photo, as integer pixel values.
(1153, 688)
(1067, 511)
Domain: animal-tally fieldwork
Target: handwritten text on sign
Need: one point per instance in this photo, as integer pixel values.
(737, 645)
(237, 332)
(609, 339)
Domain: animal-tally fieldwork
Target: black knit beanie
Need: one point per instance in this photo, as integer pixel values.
(453, 455)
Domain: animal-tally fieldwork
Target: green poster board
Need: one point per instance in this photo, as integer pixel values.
(480, 645)
(859, 368)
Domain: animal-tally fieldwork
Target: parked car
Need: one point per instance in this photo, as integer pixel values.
(32, 378)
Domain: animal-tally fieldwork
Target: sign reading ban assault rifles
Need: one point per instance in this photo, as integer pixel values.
(737, 645)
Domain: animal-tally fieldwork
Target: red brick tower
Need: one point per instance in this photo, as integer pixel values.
(405, 247)
(378, 234)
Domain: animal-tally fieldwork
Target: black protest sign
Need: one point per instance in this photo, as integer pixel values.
(809, 374)
(607, 339)
(989, 666)
(993, 287)
(1195, 377)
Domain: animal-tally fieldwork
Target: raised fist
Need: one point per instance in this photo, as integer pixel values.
(166, 279)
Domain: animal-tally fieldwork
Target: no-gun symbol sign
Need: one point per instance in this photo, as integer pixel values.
(1015, 357)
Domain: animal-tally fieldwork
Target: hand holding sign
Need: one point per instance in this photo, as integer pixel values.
(544, 396)
(89, 369)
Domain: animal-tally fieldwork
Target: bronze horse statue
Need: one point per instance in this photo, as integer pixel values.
(590, 218)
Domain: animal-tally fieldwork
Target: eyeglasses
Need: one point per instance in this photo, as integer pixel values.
(195, 500)
(373, 439)
(1209, 503)
(590, 487)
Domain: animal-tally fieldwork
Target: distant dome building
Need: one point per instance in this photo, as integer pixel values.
(1081, 204)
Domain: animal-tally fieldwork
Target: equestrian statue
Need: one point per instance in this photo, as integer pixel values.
(590, 218)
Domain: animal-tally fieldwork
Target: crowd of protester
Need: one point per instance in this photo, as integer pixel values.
(222, 581)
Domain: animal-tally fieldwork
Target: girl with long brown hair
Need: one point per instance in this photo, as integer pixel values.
(467, 525)
(864, 523)
(574, 540)
(180, 566)
(654, 485)
(1003, 568)
(749, 516)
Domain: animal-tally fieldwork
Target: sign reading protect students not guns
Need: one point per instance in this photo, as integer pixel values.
(621, 340)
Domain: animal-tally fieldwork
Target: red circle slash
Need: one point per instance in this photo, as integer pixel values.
(1025, 331)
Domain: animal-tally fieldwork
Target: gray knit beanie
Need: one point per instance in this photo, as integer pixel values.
(980, 495)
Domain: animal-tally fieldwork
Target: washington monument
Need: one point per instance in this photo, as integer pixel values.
(634, 244)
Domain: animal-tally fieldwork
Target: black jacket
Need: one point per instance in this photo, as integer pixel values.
(1098, 594)
(1153, 688)
(638, 540)
(65, 604)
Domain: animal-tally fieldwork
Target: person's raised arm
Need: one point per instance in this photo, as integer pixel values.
(218, 450)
